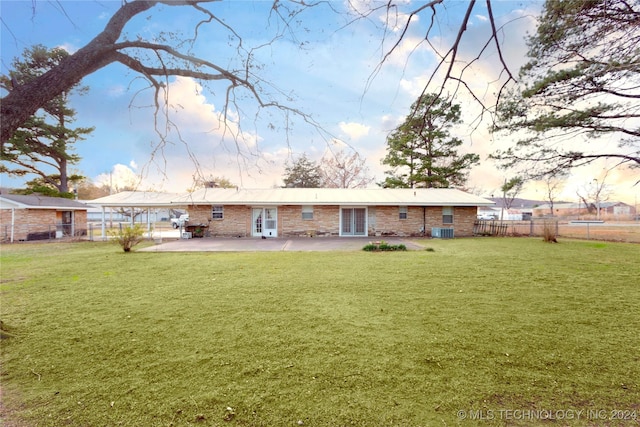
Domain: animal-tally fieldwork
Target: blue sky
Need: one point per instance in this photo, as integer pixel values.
(321, 66)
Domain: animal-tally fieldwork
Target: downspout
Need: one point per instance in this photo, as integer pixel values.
(424, 221)
(13, 222)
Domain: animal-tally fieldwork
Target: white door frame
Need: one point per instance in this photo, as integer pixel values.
(260, 222)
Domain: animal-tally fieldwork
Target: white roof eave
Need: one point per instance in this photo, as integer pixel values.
(281, 197)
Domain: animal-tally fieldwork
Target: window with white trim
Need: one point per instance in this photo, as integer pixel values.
(403, 212)
(307, 212)
(217, 212)
(447, 215)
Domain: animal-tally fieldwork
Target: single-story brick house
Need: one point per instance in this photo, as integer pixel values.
(34, 217)
(279, 212)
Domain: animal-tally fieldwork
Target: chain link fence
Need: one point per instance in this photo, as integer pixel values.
(25, 232)
(618, 231)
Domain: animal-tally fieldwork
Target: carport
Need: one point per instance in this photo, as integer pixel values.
(132, 200)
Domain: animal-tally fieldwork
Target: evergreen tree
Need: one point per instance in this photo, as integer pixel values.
(43, 144)
(578, 98)
(302, 173)
(422, 151)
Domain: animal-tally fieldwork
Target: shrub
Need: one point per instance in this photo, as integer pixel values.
(383, 246)
(370, 247)
(549, 233)
(128, 237)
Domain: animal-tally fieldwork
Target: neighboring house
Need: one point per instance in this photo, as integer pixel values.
(332, 212)
(34, 217)
(617, 209)
(519, 210)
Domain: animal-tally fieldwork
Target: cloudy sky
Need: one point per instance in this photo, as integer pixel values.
(325, 64)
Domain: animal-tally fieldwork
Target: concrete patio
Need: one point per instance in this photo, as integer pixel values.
(252, 244)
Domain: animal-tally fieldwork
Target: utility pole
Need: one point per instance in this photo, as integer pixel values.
(597, 199)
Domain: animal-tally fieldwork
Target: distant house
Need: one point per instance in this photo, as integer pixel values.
(520, 209)
(279, 212)
(617, 209)
(607, 209)
(34, 217)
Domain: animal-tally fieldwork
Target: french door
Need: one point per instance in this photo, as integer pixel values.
(264, 222)
(353, 222)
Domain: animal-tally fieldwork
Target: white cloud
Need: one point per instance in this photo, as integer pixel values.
(397, 22)
(190, 111)
(354, 130)
(120, 177)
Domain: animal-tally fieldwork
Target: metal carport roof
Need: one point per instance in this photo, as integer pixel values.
(139, 199)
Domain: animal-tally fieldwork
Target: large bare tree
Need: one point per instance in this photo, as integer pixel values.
(156, 61)
(343, 170)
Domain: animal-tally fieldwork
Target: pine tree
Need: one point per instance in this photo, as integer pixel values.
(422, 151)
(43, 144)
(302, 173)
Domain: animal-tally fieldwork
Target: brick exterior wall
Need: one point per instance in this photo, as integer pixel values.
(382, 221)
(38, 222)
(385, 221)
(236, 221)
(325, 222)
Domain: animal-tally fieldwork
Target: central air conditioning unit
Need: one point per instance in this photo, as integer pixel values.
(441, 233)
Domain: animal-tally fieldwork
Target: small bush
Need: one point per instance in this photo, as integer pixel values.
(383, 246)
(128, 237)
(549, 233)
(430, 250)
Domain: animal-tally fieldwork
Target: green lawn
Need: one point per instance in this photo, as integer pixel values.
(502, 329)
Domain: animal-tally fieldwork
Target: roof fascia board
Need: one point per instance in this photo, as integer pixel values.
(10, 204)
(340, 203)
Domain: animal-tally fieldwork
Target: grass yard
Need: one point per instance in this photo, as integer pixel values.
(477, 332)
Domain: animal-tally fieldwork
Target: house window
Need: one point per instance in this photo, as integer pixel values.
(447, 215)
(307, 212)
(217, 212)
(402, 212)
